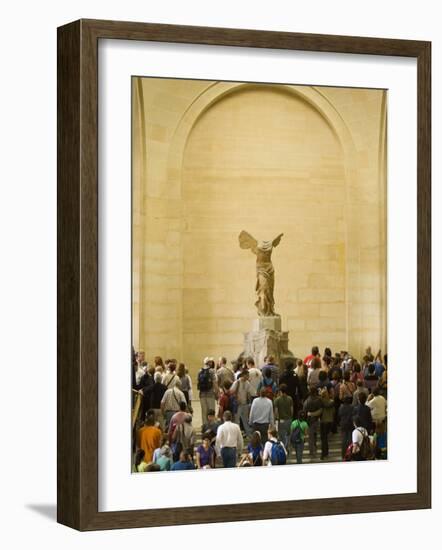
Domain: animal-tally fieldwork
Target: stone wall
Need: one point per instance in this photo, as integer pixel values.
(211, 159)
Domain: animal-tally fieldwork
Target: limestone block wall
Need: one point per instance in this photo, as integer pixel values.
(211, 159)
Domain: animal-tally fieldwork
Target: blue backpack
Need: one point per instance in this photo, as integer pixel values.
(278, 456)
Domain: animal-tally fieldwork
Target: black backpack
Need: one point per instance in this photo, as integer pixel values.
(205, 380)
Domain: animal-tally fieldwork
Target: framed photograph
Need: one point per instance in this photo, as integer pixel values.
(243, 255)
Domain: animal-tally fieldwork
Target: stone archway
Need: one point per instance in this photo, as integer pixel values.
(201, 107)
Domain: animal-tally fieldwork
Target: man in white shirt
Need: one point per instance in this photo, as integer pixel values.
(229, 442)
(268, 447)
(378, 406)
(261, 414)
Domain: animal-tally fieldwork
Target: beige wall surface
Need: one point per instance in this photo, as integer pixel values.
(213, 158)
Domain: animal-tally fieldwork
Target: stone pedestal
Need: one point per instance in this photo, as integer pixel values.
(267, 338)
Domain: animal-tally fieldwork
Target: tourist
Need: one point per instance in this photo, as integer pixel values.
(363, 413)
(313, 410)
(224, 373)
(242, 391)
(177, 419)
(270, 364)
(371, 378)
(301, 372)
(255, 449)
(347, 363)
(261, 414)
(357, 374)
(158, 364)
(360, 388)
(361, 446)
(227, 401)
(184, 463)
(313, 354)
(268, 384)
(183, 437)
(336, 379)
(141, 366)
(379, 367)
(290, 379)
(324, 382)
(328, 411)
(229, 441)
(164, 460)
(207, 387)
(298, 430)
(345, 419)
(157, 451)
(369, 355)
(346, 388)
(186, 384)
(274, 454)
(380, 441)
(145, 380)
(205, 454)
(283, 409)
(152, 396)
(171, 402)
(382, 384)
(255, 377)
(378, 406)
(170, 378)
(140, 464)
(212, 423)
(148, 437)
(313, 372)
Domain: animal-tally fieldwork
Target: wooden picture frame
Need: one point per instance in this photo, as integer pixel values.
(77, 225)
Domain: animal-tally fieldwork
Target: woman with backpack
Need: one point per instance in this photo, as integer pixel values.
(298, 429)
(255, 449)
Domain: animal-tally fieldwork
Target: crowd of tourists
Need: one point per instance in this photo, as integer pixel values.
(258, 416)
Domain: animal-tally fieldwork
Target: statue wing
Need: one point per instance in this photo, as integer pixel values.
(247, 241)
(276, 241)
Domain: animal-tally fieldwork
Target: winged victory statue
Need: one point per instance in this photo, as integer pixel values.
(265, 273)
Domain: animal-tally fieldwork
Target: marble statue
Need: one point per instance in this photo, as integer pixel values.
(265, 273)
